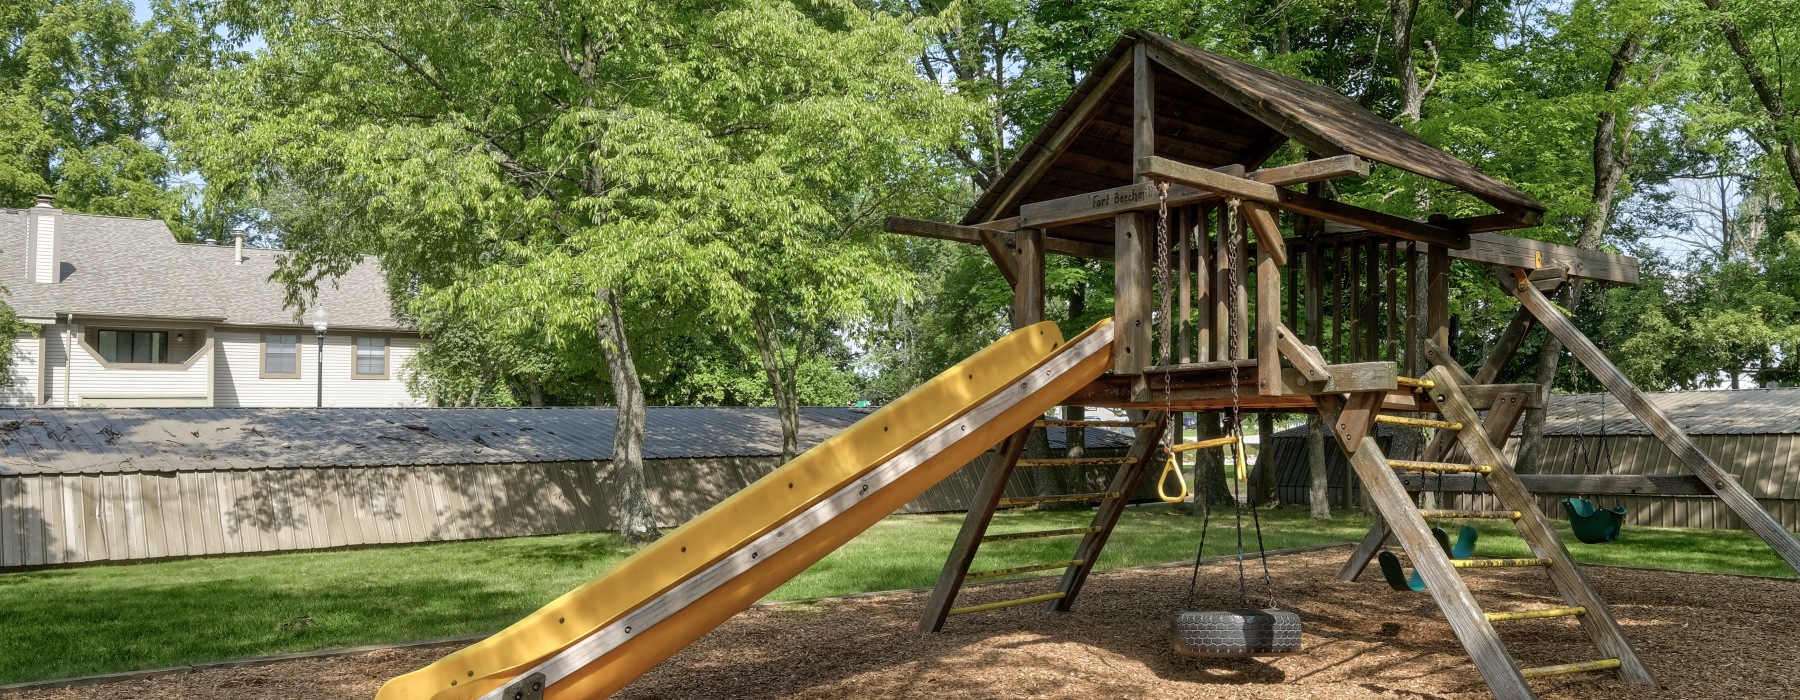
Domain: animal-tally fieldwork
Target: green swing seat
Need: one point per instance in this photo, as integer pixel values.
(1593, 524)
(1396, 574)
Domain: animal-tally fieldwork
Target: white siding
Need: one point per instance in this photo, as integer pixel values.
(90, 384)
(239, 382)
(43, 269)
(23, 389)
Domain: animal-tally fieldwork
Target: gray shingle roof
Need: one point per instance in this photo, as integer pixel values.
(39, 441)
(1743, 412)
(116, 266)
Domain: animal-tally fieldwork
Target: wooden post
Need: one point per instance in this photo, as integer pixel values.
(1221, 292)
(1131, 294)
(1437, 315)
(1143, 108)
(1393, 299)
(1351, 269)
(1203, 283)
(1372, 309)
(1315, 293)
(1722, 484)
(1028, 294)
(1185, 302)
(1241, 287)
(1268, 319)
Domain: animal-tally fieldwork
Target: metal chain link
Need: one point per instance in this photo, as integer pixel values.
(1162, 281)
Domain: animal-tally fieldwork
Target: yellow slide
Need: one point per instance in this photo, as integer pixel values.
(597, 638)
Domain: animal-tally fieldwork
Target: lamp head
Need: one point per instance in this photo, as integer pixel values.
(320, 319)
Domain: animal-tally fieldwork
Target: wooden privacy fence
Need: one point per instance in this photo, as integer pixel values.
(50, 519)
(1768, 465)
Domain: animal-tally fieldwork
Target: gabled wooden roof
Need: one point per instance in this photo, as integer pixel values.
(1211, 111)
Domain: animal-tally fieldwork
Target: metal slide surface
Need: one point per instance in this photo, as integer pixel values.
(595, 639)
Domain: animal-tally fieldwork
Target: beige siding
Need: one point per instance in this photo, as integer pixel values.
(73, 518)
(238, 382)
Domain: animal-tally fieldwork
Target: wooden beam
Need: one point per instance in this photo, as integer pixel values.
(1570, 484)
(1202, 178)
(1028, 292)
(1304, 358)
(1483, 396)
(1513, 251)
(1355, 417)
(1733, 495)
(1103, 203)
(1143, 107)
(974, 236)
(1268, 234)
(1268, 320)
(1131, 296)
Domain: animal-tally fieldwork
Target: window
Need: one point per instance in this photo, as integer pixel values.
(141, 347)
(281, 357)
(371, 358)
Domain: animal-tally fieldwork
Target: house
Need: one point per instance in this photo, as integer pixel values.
(130, 317)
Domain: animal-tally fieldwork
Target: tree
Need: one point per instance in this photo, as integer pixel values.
(81, 114)
(616, 159)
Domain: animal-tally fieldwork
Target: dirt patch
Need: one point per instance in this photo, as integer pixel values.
(1702, 635)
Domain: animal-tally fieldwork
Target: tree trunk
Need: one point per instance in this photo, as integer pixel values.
(783, 383)
(537, 391)
(1766, 92)
(1412, 97)
(1611, 157)
(1319, 493)
(1262, 480)
(637, 523)
(1210, 485)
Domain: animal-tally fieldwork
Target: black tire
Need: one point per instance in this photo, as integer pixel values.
(1236, 633)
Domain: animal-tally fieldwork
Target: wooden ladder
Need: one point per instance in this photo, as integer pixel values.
(990, 496)
(1442, 576)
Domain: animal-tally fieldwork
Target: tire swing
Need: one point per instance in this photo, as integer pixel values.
(1245, 632)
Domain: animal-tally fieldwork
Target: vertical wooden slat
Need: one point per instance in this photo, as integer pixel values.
(74, 533)
(1268, 318)
(1437, 317)
(1185, 296)
(1240, 265)
(1203, 284)
(1352, 260)
(1221, 292)
(30, 506)
(1392, 351)
(1413, 362)
(1315, 293)
(1131, 288)
(1372, 302)
(92, 518)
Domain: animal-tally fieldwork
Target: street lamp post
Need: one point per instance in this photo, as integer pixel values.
(320, 320)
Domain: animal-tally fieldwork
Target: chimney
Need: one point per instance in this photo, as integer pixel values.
(238, 257)
(42, 246)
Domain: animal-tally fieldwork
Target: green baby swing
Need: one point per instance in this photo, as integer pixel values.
(1591, 523)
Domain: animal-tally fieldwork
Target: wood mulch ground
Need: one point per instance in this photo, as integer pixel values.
(1702, 635)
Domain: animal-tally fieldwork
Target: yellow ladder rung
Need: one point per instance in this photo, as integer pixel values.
(1078, 461)
(1547, 671)
(1039, 533)
(1008, 603)
(1047, 423)
(1496, 563)
(1069, 498)
(1445, 467)
(1535, 614)
(1472, 514)
(1024, 569)
(1417, 422)
(1203, 444)
(1417, 383)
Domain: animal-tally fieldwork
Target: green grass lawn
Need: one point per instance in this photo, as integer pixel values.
(101, 619)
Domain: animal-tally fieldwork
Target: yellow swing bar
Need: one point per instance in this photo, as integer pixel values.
(1174, 466)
